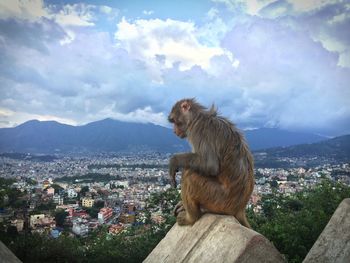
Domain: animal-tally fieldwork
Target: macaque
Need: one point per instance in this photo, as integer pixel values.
(218, 174)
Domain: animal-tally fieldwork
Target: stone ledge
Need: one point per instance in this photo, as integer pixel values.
(214, 238)
(6, 255)
(333, 245)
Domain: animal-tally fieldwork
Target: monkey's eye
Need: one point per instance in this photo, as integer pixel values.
(171, 120)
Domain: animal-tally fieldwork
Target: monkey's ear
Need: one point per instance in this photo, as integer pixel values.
(185, 106)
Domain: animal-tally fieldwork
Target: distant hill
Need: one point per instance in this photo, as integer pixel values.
(270, 137)
(329, 151)
(102, 136)
(115, 136)
(338, 147)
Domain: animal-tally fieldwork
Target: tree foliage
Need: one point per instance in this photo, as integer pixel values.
(60, 216)
(84, 190)
(293, 223)
(9, 196)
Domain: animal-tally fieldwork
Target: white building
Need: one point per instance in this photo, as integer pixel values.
(122, 183)
(72, 193)
(80, 227)
(57, 199)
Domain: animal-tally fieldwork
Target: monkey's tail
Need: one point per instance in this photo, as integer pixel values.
(242, 218)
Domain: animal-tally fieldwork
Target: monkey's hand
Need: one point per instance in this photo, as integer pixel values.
(173, 169)
(178, 208)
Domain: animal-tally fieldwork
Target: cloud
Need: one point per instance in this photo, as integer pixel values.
(25, 9)
(324, 21)
(279, 69)
(148, 12)
(76, 15)
(251, 7)
(11, 118)
(35, 35)
(139, 115)
(282, 70)
(106, 9)
(175, 41)
(66, 15)
(310, 5)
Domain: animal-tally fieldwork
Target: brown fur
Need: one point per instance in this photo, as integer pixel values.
(218, 174)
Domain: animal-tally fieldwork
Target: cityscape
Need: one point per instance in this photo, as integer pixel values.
(92, 92)
(77, 195)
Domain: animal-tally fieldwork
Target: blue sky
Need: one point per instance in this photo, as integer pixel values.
(268, 63)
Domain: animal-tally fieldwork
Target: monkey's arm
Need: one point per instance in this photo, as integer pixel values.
(204, 165)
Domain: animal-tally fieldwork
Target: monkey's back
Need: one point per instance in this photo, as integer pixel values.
(220, 136)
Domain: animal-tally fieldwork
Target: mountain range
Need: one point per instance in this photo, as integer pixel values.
(337, 148)
(110, 135)
(332, 151)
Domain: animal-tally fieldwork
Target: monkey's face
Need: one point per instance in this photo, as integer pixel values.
(179, 126)
(179, 116)
(179, 130)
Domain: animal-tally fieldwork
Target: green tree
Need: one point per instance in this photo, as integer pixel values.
(293, 223)
(12, 232)
(60, 216)
(41, 248)
(45, 207)
(274, 183)
(164, 201)
(31, 181)
(84, 190)
(99, 204)
(92, 211)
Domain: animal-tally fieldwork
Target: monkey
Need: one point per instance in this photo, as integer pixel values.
(218, 174)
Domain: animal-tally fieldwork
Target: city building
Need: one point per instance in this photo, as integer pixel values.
(129, 208)
(80, 227)
(50, 191)
(105, 215)
(66, 207)
(93, 224)
(87, 202)
(125, 184)
(115, 229)
(36, 219)
(77, 212)
(55, 233)
(72, 193)
(18, 223)
(42, 221)
(46, 184)
(127, 219)
(57, 199)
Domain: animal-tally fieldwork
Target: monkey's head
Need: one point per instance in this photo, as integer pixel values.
(181, 115)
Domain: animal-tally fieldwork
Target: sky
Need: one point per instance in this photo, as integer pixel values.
(270, 63)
